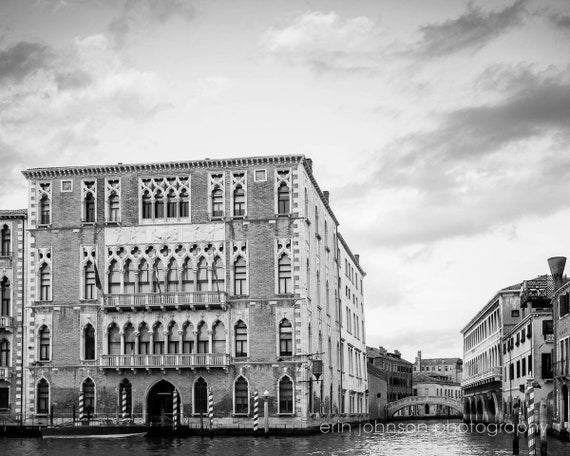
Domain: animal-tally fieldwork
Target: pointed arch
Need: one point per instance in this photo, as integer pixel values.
(218, 275)
(202, 275)
(44, 342)
(4, 353)
(144, 339)
(114, 278)
(6, 241)
(284, 274)
(203, 338)
(285, 394)
(172, 279)
(285, 338)
(173, 338)
(200, 396)
(188, 337)
(241, 395)
(158, 341)
(188, 275)
(130, 339)
(89, 396)
(241, 336)
(113, 339)
(218, 337)
(88, 342)
(6, 297)
(42, 396)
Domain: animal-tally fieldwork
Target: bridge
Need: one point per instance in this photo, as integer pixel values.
(410, 401)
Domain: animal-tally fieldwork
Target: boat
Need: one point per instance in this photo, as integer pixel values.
(92, 432)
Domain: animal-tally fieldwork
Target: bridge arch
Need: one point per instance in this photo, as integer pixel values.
(428, 401)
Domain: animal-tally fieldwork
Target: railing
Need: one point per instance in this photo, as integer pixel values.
(188, 360)
(562, 368)
(494, 373)
(168, 298)
(5, 321)
(4, 373)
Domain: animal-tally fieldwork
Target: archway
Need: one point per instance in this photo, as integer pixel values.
(160, 404)
(467, 413)
(479, 406)
(566, 418)
(491, 410)
(426, 409)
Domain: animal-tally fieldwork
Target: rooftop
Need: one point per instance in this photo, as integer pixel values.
(13, 213)
(436, 361)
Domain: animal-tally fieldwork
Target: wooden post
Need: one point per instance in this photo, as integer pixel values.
(516, 433)
(266, 412)
(543, 444)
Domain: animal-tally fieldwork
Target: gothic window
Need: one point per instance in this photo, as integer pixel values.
(129, 277)
(4, 353)
(284, 274)
(5, 298)
(159, 205)
(239, 202)
(184, 204)
(171, 205)
(144, 277)
(283, 199)
(200, 396)
(188, 338)
(241, 339)
(240, 276)
(45, 203)
(129, 339)
(89, 342)
(113, 200)
(114, 340)
(114, 278)
(285, 395)
(165, 198)
(43, 397)
(203, 339)
(45, 282)
(241, 396)
(219, 338)
(144, 340)
(146, 205)
(89, 281)
(217, 202)
(187, 276)
(327, 292)
(172, 276)
(158, 340)
(218, 275)
(44, 343)
(285, 338)
(173, 339)
(202, 275)
(88, 388)
(5, 249)
(89, 208)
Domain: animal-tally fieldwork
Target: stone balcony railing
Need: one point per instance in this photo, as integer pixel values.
(5, 321)
(490, 375)
(167, 299)
(174, 361)
(4, 373)
(562, 368)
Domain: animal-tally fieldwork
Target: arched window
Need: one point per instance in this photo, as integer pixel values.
(5, 310)
(218, 275)
(159, 205)
(202, 275)
(44, 341)
(239, 201)
(241, 339)
(129, 277)
(89, 342)
(89, 281)
(5, 250)
(241, 396)
(171, 205)
(172, 276)
(114, 340)
(88, 388)
(146, 205)
(188, 338)
(45, 210)
(144, 340)
(200, 396)
(144, 277)
(173, 338)
(187, 276)
(114, 278)
(45, 282)
(4, 353)
(217, 203)
(158, 340)
(219, 338)
(283, 199)
(203, 339)
(43, 397)
(240, 276)
(284, 274)
(114, 207)
(89, 205)
(327, 293)
(184, 204)
(129, 339)
(285, 338)
(285, 395)
(126, 398)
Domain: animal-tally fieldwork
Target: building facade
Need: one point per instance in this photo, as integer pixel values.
(154, 287)
(398, 371)
(377, 392)
(12, 264)
(434, 385)
(450, 368)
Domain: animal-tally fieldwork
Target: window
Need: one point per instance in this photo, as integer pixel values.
(89, 342)
(260, 175)
(187, 276)
(283, 199)
(88, 388)
(144, 340)
(89, 195)
(45, 203)
(5, 249)
(89, 279)
(66, 186)
(43, 397)
(203, 339)
(45, 282)
(284, 274)
(158, 340)
(113, 199)
(241, 339)
(129, 339)
(171, 205)
(44, 341)
(4, 398)
(5, 297)
(164, 198)
(547, 365)
(159, 205)
(115, 278)
(217, 203)
(241, 395)
(564, 305)
(514, 313)
(144, 278)
(146, 206)
(285, 395)
(114, 340)
(173, 338)
(200, 396)
(4, 353)
(285, 338)
(219, 338)
(202, 275)
(239, 201)
(240, 275)
(172, 276)
(188, 338)
(184, 204)
(218, 275)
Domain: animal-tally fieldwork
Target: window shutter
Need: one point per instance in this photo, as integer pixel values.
(563, 304)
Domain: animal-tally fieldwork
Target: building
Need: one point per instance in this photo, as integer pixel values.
(353, 335)
(12, 264)
(377, 392)
(482, 382)
(156, 286)
(397, 369)
(450, 368)
(527, 349)
(434, 384)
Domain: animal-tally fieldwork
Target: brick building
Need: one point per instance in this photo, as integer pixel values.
(12, 234)
(451, 368)
(154, 285)
(397, 369)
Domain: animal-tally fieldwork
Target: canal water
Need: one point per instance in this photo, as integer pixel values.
(408, 438)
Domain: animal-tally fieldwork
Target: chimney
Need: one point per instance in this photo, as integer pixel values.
(326, 194)
(419, 361)
(556, 265)
(357, 258)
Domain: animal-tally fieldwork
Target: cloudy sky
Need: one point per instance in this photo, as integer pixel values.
(441, 128)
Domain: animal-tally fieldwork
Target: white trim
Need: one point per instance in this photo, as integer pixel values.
(255, 179)
(110, 187)
(216, 179)
(62, 181)
(85, 190)
(233, 184)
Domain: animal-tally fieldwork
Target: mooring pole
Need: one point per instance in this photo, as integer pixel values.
(516, 433)
(543, 444)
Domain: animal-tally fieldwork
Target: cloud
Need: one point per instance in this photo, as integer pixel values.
(23, 59)
(560, 20)
(142, 14)
(472, 30)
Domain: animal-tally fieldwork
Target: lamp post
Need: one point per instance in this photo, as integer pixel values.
(266, 411)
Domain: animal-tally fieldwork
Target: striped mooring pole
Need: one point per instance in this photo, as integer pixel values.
(175, 409)
(81, 406)
(530, 420)
(124, 413)
(255, 411)
(211, 408)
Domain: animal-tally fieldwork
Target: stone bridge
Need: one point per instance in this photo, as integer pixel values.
(409, 401)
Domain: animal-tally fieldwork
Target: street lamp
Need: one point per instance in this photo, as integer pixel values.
(266, 411)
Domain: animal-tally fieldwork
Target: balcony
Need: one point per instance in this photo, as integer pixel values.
(562, 368)
(183, 299)
(549, 338)
(490, 375)
(176, 361)
(5, 373)
(5, 321)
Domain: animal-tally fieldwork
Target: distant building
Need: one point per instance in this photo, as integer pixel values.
(450, 368)
(377, 392)
(398, 371)
(434, 385)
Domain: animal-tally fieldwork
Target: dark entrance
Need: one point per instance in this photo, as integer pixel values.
(565, 403)
(160, 404)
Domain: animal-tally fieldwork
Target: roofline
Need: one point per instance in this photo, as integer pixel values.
(524, 321)
(350, 254)
(13, 213)
(487, 307)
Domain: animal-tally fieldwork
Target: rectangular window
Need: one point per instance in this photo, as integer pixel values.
(283, 188)
(514, 313)
(89, 291)
(284, 275)
(66, 186)
(239, 186)
(4, 398)
(547, 365)
(240, 276)
(260, 175)
(564, 305)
